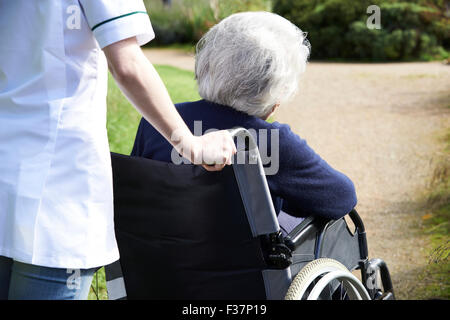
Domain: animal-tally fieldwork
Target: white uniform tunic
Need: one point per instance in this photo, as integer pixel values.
(56, 205)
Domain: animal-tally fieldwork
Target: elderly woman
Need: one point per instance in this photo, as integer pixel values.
(246, 67)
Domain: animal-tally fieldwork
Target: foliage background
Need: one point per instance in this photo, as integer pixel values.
(411, 30)
(185, 21)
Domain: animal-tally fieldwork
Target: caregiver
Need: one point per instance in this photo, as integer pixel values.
(56, 200)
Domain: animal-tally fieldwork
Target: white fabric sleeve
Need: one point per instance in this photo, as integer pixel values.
(115, 20)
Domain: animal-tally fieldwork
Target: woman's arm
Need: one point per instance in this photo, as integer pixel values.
(307, 184)
(141, 84)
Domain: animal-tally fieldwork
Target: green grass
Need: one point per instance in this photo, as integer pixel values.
(98, 286)
(123, 119)
(436, 276)
(122, 124)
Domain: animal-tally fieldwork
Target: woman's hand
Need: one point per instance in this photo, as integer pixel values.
(213, 150)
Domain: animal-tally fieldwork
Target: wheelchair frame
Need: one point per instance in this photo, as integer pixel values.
(281, 248)
(368, 268)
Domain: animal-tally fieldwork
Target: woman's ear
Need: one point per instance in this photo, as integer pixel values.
(272, 111)
(275, 107)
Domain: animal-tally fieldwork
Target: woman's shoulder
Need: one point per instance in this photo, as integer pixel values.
(284, 131)
(223, 117)
(284, 127)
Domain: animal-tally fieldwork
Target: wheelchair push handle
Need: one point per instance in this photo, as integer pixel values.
(356, 219)
(239, 132)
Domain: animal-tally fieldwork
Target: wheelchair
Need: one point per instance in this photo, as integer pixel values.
(184, 233)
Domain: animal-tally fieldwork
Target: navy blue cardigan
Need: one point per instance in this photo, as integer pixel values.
(304, 185)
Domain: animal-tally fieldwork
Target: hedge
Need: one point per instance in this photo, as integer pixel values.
(185, 21)
(337, 29)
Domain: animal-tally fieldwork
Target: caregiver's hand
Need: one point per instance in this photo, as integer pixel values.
(141, 84)
(213, 151)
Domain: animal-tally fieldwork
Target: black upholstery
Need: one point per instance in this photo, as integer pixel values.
(339, 243)
(182, 233)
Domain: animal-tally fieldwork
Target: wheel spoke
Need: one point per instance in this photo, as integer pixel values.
(351, 283)
(312, 282)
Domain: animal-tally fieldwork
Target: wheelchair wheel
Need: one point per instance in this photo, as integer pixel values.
(322, 279)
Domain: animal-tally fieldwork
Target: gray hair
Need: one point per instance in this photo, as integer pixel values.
(251, 61)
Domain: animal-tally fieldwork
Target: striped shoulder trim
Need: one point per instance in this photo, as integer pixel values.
(118, 17)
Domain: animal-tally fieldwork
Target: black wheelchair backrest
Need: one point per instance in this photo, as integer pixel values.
(185, 233)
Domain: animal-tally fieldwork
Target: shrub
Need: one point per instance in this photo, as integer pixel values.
(337, 29)
(185, 21)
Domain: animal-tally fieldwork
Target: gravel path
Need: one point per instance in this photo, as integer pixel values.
(377, 123)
